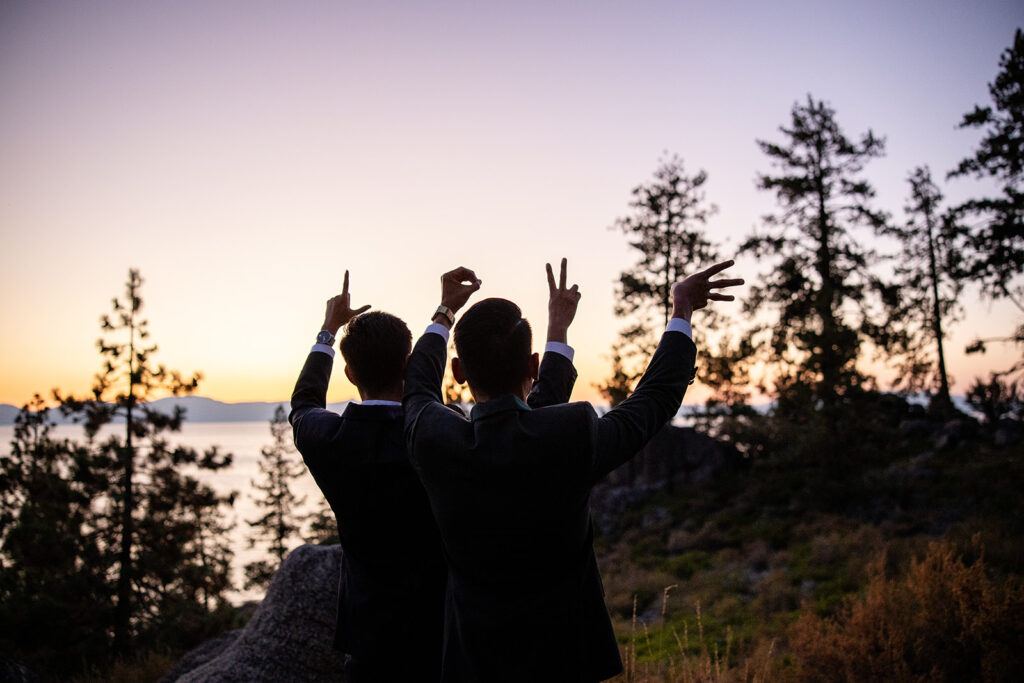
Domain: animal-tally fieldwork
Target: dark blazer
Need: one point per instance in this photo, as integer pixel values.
(390, 602)
(510, 490)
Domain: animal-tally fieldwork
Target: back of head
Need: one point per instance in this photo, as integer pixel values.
(375, 347)
(494, 343)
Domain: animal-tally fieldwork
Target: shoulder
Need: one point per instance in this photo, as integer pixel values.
(565, 415)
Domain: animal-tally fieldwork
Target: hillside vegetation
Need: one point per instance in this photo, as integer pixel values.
(891, 553)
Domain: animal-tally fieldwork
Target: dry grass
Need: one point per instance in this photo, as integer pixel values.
(673, 662)
(150, 666)
(941, 620)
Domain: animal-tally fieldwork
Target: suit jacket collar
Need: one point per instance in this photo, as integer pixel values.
(497, 405)
(356, 411)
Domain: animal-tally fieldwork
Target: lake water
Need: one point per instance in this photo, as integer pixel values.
(244, 441)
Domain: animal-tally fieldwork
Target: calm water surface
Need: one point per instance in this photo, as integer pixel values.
(244, 441)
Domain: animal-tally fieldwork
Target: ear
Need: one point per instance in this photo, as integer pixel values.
(534, 366)
(457, 372)
(348, 373)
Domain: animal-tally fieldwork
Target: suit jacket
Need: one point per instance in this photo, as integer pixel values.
(510, 490)
(391, 596)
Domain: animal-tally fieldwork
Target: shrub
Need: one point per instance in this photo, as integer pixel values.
(941, 621)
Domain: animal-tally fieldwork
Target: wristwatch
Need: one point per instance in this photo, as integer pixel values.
(446, 312)
(324, 337)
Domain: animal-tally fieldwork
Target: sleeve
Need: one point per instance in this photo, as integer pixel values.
(311, 422)
(555, 381)
(424, 373)
(621, 432)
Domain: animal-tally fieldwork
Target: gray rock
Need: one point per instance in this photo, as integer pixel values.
(657, 517)
(12, 671)
(1008, 433)
(675, 461)
(954, 432)
(918, 426)
(289, 637)
(200, 655)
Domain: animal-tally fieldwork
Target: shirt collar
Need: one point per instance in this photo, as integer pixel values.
(497, 405)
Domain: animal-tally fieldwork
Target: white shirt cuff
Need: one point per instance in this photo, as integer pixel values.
(323, 348)
(438, 328)
(680, 325)
(559, 348)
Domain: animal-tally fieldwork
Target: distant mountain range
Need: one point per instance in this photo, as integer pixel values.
(202, 409)
(197, 409)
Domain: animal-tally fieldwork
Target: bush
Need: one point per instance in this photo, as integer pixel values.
(942, 621)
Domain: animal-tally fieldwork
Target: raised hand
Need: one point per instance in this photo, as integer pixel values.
(339, 310)
(695, 291)
(562, 304)
(457, 286)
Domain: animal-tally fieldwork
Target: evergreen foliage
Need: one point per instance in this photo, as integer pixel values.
(111, 539)
(993, 250)
(821, 284)
(323, 525)
(52, 557)
(666, 228)
(995, 247)
(928, 282)
(281, 520)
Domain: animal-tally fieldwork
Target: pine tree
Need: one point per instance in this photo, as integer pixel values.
(323, 525)
(820, 285)
(147, 517)
(666, 228)
(281, 520)
(928, 281)
(993, 252)
(52, 568)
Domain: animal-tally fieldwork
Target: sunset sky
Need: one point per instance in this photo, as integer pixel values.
(244, 154)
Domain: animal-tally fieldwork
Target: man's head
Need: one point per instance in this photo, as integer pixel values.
(376, 346)
(494, 345)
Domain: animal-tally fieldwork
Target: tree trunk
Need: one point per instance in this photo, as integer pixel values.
(942, 399)
(829, 359)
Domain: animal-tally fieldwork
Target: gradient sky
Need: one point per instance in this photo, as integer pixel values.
(244, 154)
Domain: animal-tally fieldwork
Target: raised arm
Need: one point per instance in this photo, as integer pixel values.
(625, 429)
(309, 398)
(424, 372)
(557, 375)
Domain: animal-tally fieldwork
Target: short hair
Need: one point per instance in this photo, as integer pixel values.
(494, 343)
(375, 347)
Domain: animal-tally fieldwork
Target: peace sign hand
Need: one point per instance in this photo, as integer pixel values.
(562, 304)
(694, 292)
(339, 310)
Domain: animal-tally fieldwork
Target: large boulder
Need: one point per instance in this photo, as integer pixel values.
(289, 637)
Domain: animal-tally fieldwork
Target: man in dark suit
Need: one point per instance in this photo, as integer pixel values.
(391, 597)
(510, 488)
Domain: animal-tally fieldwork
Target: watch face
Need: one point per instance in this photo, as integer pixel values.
(325, 337)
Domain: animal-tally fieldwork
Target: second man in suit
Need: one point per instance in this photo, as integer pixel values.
(510, 489)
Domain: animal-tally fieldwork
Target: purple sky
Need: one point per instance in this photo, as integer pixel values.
(243, 154)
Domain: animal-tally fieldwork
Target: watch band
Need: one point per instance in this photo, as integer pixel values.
(446, 312)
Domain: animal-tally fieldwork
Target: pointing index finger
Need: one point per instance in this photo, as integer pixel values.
(344, 286)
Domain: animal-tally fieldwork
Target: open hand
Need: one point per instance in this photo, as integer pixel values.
(562, 304)
(695, 291)
(339, 310)
(457, 286)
